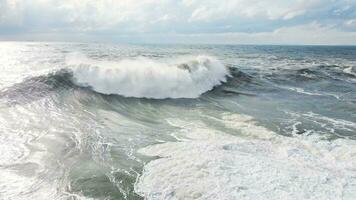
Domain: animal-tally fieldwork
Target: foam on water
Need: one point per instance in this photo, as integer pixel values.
(142, 77)
(63, 142)
(349, 70)
(209, 164)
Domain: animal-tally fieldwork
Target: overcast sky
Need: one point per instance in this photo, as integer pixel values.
(181, 21)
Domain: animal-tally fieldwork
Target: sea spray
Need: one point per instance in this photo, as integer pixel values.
(142, 77)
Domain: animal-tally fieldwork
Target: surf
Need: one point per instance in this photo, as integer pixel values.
(187, 77)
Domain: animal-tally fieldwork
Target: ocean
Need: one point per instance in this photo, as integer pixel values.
(113, 121)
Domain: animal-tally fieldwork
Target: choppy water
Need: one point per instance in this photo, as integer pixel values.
(106, 121)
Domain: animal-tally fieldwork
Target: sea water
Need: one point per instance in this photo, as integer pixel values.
(113, 121)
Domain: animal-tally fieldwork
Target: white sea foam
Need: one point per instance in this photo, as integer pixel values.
(187, 77)
(311, 93)
(209, 164)
(349, 70)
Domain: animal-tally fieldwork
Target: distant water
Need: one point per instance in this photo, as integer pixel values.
(108, 121)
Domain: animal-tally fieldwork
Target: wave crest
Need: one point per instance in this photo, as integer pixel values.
(146, 78)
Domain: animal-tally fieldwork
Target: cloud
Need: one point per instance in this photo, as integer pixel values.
(146, 18)
(311, 33)
(9, 10)
(271, 9)
(351, 23)
(86, 15)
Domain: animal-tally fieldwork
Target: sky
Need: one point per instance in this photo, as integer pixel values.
(328, 22)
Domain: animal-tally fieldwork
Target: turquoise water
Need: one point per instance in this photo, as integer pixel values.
(109, 121)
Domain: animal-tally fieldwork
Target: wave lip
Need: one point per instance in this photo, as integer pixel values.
(145, 78)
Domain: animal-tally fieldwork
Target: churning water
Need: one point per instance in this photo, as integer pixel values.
(107, 121)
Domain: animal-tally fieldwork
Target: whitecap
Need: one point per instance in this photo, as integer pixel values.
(209, 164)
(187, 77)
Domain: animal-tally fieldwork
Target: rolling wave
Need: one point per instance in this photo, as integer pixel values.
(139, 78)
(187, 77)
(145, 78)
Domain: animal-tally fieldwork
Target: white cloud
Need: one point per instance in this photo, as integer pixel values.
(271, 9)
(311, 33)
(351, 23)
(9, 12)
(209, 18)
(90, 14)
(87, 14)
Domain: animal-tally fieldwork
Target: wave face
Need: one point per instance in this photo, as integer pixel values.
(146, 78)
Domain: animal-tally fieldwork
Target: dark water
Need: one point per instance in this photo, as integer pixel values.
(108, 121)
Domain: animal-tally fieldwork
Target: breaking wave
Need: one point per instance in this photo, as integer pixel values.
(145, 78)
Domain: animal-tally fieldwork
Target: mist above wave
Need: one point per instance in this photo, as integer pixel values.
(187, 77)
